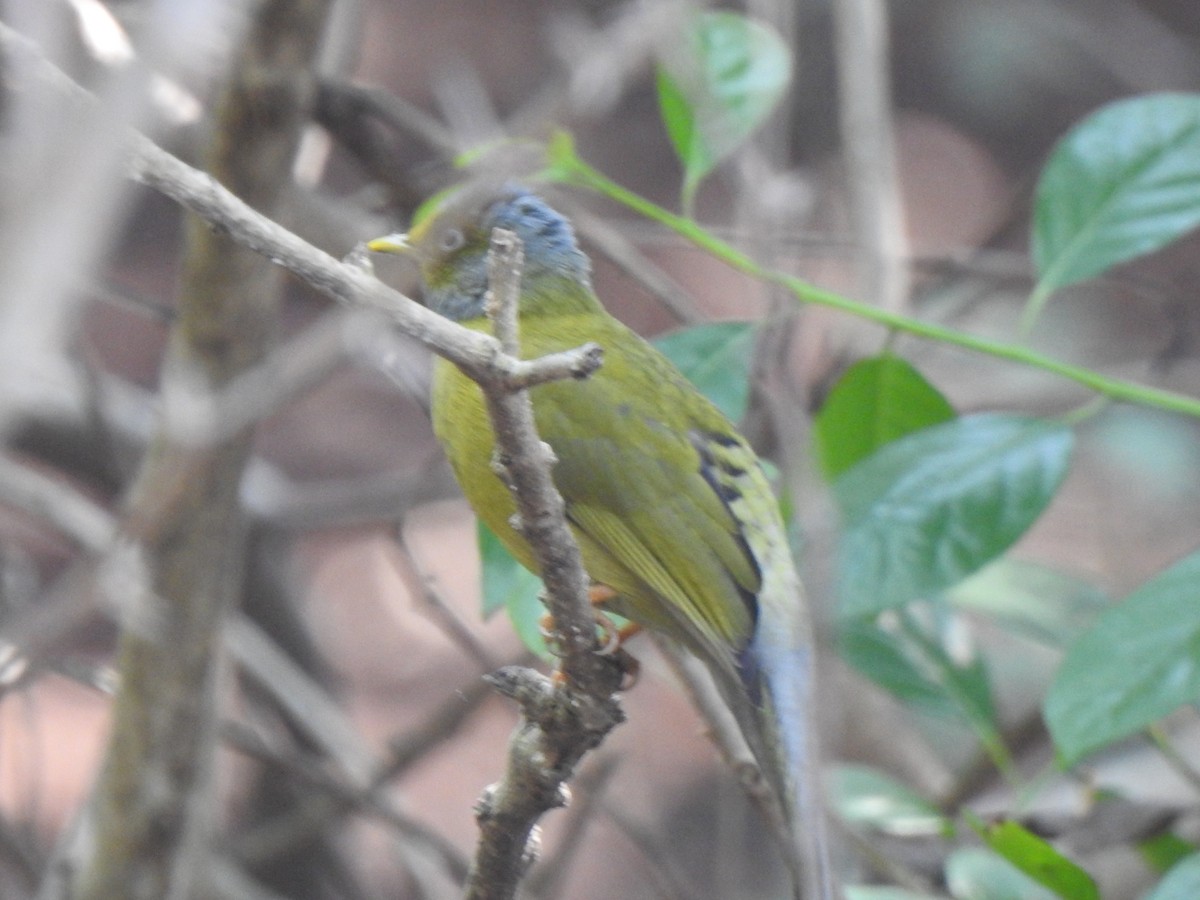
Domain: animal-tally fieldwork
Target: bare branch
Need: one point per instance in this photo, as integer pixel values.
(197, 415)
(443, 614)
(477, 354)
(561, 719)
(57, 503)
(331, 798)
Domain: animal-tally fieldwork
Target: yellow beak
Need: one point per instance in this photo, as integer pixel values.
(392, 243)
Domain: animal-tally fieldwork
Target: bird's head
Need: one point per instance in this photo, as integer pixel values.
(449, 241)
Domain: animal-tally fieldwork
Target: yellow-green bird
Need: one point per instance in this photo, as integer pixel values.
(667, 500)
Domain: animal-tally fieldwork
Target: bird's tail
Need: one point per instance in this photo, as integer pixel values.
(778, 676)
(790, 758)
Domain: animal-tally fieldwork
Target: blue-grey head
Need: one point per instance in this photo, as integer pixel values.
(450, 243)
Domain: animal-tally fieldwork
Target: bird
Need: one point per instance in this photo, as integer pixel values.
(674, 515)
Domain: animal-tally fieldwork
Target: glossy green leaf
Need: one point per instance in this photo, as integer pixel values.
(1034, 601)
(1124, 182)
(679, 118)
(974, 873)
(909, 656)
(717, 86)
(882, 656)
(866, 797)
(1182, 882)
(1138, 663)
(874, 402)
(716, 358)
(931, 508)
(1038, 859)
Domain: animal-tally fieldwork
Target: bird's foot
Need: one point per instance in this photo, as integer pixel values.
(613, 636)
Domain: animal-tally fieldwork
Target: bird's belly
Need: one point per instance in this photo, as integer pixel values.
(461, 423)
(462, 426)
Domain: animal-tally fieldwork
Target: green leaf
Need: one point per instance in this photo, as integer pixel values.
(716, 358)
(510, 586)
(1138, 663)
(1182, 882)
(929, 509)
(717, 87)
(503, 576)
(910, 657)
(866, 797)
(678, 116)
(882, 656)
(1031, 600)
(973, 873)
(1037, 859)
(526, 612)
(874, 402)
(1163, 851)
(1123, 183)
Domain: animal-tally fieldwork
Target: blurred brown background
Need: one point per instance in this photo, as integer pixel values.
(361, 562)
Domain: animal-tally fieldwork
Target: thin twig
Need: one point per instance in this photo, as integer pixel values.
(477, 354)
(328, 799)
(662, 874)
(446, 617)
(723, 730)
(304, 700)
(197, 415)
(1177, 761)
(341, 104)
(57, 503)
(271, 496)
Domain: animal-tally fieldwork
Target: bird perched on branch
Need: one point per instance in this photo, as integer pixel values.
(674, 516)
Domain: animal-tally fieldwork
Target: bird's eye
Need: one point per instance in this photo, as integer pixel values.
(452, 239)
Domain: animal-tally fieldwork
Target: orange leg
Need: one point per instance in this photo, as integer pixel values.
(598, 595)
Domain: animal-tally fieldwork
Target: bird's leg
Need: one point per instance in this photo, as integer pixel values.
(614, 635)
(599, 595)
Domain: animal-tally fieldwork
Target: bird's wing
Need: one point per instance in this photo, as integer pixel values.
(644, 469)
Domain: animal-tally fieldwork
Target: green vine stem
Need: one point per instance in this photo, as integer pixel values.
(567, 168)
